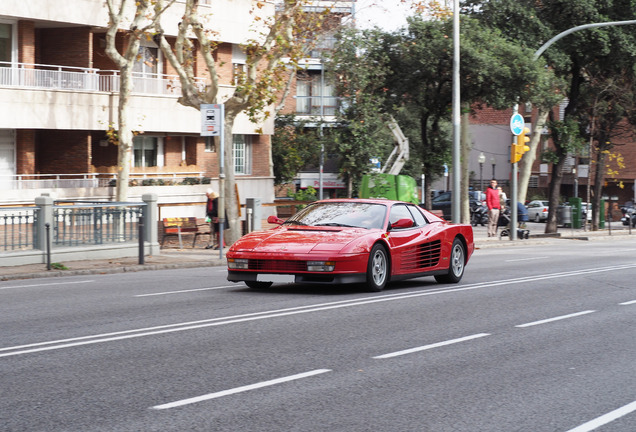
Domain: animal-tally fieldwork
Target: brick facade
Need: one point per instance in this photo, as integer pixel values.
(26, 42)
(63, 151)
(67, 47)
(25, 151)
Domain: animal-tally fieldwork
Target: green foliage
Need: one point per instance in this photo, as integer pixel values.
(308, 194)
(294, 146)
(191, 181)
(566, 138)
(408, 74)
(58, 266)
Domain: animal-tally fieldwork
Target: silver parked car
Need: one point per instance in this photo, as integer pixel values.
(537, 210)
(585, 213)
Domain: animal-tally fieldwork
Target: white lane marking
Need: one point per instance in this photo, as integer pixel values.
(562, 317)
(431, 346)
(46, 284)
(184, 291)
(526, 259)
(628, 303)
(605, 419)
(240, 389)
(168, 328)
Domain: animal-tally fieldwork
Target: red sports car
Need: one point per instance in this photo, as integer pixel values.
(368, 241)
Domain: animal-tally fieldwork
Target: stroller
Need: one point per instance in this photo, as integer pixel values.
(504, 221)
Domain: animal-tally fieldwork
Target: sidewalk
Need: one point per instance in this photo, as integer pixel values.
(172, 257)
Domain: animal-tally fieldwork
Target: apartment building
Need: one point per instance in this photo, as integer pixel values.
(59, 94)
(312, 98)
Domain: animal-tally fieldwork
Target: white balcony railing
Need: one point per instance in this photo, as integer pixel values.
(316, 105)
(55, 77)
(91, 180)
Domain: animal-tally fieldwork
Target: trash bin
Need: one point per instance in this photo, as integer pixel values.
(577, 214)
(564, 215)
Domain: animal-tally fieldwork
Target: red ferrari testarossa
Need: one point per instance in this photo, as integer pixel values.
(367, 241)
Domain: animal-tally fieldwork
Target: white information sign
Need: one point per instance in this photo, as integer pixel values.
(211, 119)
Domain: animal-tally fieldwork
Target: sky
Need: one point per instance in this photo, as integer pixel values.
(389, 15)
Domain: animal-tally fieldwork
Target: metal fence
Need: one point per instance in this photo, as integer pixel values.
(95, 223)
(17, 228)
(77, 223)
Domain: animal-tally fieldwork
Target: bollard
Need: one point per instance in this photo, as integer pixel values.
(48, 245)
(249, 220)
(141, 241)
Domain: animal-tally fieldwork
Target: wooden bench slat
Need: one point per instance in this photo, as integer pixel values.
(182, 225)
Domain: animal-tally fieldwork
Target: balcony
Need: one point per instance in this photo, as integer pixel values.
(95, 180)
(317, 105)
(55, 77)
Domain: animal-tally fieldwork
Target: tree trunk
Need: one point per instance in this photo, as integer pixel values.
(230, 201)
(526, 162)
(465, 175)
(125, 135)
(554, 195)
(599, 180)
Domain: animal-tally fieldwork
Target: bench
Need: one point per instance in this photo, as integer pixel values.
(182, 225)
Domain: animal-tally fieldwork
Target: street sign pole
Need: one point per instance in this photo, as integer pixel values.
(212, 116)
(517, 123)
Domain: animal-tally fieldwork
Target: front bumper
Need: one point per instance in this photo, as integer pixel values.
(304, 278)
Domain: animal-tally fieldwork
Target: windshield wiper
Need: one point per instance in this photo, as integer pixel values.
(334, 224)
(294, 222)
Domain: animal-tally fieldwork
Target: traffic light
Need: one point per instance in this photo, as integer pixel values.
(519, 147)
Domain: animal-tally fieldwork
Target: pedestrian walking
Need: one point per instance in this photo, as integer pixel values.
(494, 207)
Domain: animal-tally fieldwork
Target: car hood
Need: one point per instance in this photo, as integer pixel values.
(299, 240)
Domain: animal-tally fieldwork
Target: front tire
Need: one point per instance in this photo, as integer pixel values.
(457, 264)
(258, 285)
(377, 269)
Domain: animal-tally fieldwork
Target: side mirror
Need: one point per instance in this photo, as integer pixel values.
(402, 223)
(275, 220)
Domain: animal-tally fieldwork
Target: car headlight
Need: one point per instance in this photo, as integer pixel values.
(320, 266)
(237, 264)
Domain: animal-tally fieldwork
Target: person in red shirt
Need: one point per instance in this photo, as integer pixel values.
(494, 206)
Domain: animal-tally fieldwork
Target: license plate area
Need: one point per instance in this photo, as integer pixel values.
(266, 277)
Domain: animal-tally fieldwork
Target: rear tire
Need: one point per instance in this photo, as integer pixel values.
(537, 218)
(377, 269)
(258, 285)
(457, 264)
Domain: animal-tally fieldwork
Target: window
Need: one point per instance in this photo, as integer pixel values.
(210, 145)
(417, 215)
(314, 96)
(145, 151)
(239, 71)
(145, 70)
(240, 153)
(6, 43)
(400, 212)
(147, 60)
(239, 66)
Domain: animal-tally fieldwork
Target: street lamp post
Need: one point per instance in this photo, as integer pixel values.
(493, 161)
(481, 159)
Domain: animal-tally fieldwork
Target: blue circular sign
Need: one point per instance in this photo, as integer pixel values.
(517, 123)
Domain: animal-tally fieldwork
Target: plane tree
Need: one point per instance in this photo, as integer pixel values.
(272, 56)
(140, 19)
(607, 52)
(410, 74)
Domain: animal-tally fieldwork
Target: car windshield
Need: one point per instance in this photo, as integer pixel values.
(340, 214)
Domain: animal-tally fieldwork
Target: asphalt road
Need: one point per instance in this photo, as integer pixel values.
(533, 339)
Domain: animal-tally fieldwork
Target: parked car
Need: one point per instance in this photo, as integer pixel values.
(443, 202)
(585, 214)
(537, 210)
(360, 241)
